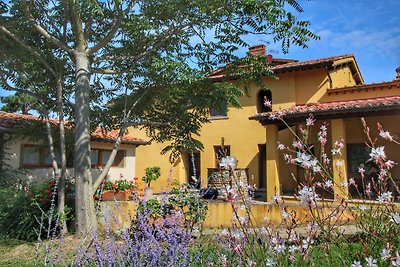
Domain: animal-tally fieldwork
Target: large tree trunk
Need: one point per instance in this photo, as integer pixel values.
(84, 204)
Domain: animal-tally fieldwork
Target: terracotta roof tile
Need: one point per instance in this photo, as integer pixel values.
(11, 120)
(331, 106)
(309, 63)
(112, 135)
(282, 65)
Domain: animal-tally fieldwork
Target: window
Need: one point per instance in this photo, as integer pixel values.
(264, 101)
(221, 111)
(99, 157)
(35, 156)
(30, 156)
(357, 154)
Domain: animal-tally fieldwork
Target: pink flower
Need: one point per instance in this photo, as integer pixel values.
(310, 120)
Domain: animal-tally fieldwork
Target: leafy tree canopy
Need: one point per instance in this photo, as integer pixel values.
(147, 58)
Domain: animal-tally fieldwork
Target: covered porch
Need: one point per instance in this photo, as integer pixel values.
(342, 124)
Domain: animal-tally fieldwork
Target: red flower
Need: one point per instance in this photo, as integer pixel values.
(114, 186)
(135, 178)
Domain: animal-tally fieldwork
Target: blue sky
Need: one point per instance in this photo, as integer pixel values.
(369, 29)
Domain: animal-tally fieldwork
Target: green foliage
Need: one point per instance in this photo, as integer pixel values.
(151, 174)
(25, 210)
(193, 208)
(153, 208)
(160, 54)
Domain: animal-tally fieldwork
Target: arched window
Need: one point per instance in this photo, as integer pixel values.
(264, 101)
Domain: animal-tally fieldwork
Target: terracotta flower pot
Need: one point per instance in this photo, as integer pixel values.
(118, 195)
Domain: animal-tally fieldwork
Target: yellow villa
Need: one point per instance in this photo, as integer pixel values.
(332, 89)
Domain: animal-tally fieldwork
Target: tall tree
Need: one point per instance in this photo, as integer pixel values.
(149, 59)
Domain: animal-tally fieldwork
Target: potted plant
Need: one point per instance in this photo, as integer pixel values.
(120, 190)
(151, 174)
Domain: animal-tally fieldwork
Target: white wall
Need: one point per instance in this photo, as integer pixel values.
(127, 169)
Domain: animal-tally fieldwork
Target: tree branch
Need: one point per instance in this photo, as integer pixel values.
(114, 28)
(80, 41)
(107, 71)
(43, 31)
(121, 133)
(30, 50)
(8, 87)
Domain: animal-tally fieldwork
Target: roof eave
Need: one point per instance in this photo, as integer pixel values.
(330, 114)
(109, 140)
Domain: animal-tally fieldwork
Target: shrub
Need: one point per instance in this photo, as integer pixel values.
(25, 210)
(151, 174)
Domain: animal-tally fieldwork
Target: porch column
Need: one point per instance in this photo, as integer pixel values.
(339, 161)
(272, 157)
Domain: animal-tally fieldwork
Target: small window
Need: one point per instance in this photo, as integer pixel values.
(357, 154)
(35, 156)
(31, 156)
(99, 157)
(264, 101)
(94, 157)
(221, 111)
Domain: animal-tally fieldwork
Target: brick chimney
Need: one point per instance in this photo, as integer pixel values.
(398, 73)
(260, 50)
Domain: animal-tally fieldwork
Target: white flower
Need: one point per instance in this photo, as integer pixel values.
(377, 154)
(386, 135)
(266, 218)
(307, 197)
(385, 197)
(356, 264)
(385, 254)
(251, 263)
(285, 215)
(276, 198)
(395, 217)
(225, 232)
(307, 243)
(263, 231)
(361, 170)
(310, 120)
(297, 144)
(223, 260)
(397, 261)
(339, 163)
(390, 164)
(306, 160)
(280, 248)
(362, 207)
(267, 102)
(243, 220)
(293, 248)
(292, 236)
(281, 146)
(270, 263)
(328, 184)
(371, 262)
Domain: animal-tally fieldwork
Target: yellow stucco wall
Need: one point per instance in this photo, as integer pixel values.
(242, 135)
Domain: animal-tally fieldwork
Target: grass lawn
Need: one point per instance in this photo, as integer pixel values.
(17, 253)
(22, 253)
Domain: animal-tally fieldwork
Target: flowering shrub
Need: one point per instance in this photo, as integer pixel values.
(118, 185)
(27, 211)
